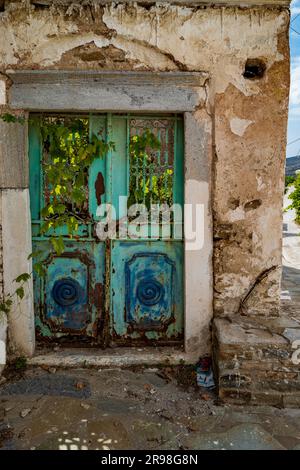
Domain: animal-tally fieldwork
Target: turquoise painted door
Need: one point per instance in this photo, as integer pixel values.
(128, 287)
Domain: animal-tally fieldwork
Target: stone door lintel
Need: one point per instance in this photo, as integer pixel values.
(147, 92)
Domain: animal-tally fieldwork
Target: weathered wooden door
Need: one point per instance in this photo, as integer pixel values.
(128, 287)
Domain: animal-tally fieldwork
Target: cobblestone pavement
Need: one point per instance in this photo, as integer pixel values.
(125, 409)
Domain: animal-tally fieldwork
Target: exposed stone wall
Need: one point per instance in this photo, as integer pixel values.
(257, 360)
(1, 250)
(2, 103)
(249, 115)
(3, 319)
(15, 230)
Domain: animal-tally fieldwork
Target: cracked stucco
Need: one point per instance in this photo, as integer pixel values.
(249, 116)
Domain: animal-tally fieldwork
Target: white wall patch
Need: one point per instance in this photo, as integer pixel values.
(238, 126)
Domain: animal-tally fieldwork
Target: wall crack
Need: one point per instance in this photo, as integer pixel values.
(263, 275)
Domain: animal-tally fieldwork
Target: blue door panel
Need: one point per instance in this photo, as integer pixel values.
(69, 299)
(149, 304)
(119, 290)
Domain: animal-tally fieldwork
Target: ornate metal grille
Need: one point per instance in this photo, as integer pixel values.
(151, 177)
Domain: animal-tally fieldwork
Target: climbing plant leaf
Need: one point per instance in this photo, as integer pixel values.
(68, 152)
(23, 277)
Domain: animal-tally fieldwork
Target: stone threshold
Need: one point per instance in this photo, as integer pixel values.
(116, 357)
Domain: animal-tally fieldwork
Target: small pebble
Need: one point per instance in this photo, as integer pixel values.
(86, 406)
(25, 412)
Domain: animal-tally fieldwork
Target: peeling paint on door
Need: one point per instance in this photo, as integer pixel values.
(126, 291)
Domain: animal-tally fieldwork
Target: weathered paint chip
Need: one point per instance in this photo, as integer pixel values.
(238, 126)
(236, 214)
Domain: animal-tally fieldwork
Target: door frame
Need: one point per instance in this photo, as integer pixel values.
(131, 92)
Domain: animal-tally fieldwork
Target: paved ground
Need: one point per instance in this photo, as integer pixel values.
(125, 409)
(291, 258)
(49, 408)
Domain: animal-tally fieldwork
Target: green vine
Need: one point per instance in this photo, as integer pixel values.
(148, 186)
(68, 153)
(19, 293)
(11, 118)
(295, 198)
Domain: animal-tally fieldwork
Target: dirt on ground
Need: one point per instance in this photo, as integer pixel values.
(138, 408)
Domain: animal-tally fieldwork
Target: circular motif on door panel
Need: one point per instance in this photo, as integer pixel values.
(149, 292)
(66, 292)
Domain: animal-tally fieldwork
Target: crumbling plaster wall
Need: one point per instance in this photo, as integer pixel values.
(249, 116)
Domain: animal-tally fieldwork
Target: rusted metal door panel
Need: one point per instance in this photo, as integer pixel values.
(69, 300)
(147, 274)
(121, 290)
(147, 300)
(97, 171)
